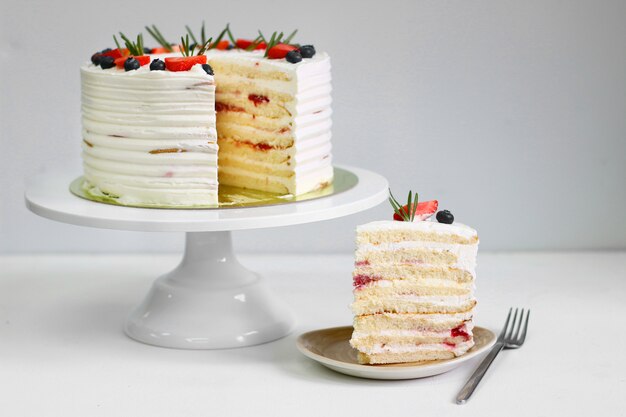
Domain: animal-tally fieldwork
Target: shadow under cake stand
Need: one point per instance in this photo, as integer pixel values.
(209, 301)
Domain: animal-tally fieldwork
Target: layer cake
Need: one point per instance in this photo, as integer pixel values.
(413, 291)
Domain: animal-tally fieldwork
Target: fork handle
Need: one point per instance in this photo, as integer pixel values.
(478, 374)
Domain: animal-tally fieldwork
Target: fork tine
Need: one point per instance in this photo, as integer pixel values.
(506, 324)
(521, 339)
(509, 333)
(518, 327)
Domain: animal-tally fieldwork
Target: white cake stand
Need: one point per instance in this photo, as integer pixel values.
(210, 301)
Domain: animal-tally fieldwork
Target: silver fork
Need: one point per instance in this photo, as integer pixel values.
(511, 337)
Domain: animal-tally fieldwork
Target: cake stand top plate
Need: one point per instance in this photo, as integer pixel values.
(48, 196)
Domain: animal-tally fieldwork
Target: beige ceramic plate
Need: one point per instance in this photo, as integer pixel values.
(330, 347)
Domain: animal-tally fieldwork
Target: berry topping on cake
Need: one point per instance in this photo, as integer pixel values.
(107, 62)
(246, 43)
(280, 51)
(95, 58)
(131, 64)
(207, 68)
(293, 56)
(183, 63)
(147, 50)
(412, 209)
(141, 60)
(444, 216)
(157, 65)
(113, 53)
(222, 45)
(307, 51)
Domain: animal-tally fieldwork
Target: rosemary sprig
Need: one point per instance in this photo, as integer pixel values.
(256, 42)
(274, 40)
(135, 48)
(156, 34)
(230, 35)
(190, 32)
(290, 37)
(213, 45)
(409, 214)
(188, 49)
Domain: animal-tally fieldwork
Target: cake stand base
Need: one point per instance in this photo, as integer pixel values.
(210, 301)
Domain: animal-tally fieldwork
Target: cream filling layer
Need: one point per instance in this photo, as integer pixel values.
(458, 349)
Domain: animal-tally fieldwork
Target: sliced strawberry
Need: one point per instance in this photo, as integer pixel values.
(184, 63)
(280, 51)
(143, 60)
(222, 45)
(424, 210)
(244, 43)
(115, 53)
(159, 50)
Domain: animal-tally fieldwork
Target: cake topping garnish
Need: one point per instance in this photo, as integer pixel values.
(156, 34)
(279, 51)
(307, 51)
(412, 209)
(131, 64)
(157, 65)
(207, 68)
(444, 216)
(107, 62)
(293, 56)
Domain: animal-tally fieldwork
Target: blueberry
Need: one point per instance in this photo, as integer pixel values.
(293, 56)
(444, 216)
(107, 62)
(230, 46)
(157, 65)
(193, 46)
(131, 64)
(147, 51)
(307, 51)
(95, 58)
(104, 51)
(207, 68)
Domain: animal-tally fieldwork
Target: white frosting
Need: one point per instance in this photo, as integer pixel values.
(149, 136)
(420, 226)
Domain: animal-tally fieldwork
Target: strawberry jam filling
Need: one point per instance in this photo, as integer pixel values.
(227, 107)
(460, 331)
(359, 281)
(257, 99)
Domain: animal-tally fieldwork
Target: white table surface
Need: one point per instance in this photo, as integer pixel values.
(63, 352)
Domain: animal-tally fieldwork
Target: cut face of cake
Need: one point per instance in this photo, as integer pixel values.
(413, 291)
(273, 121)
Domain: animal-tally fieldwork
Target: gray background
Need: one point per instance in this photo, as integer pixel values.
(512, 114)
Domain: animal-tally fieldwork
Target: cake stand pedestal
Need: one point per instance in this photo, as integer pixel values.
(209, 301)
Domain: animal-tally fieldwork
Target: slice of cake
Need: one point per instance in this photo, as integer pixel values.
(414, 287)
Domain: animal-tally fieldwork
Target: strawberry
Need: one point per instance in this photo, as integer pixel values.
(424, 210)
(184, 63)
(114, 53)
(280, 51)
(222, 45)
(163, 50)
(143, 60)
(244, 43)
